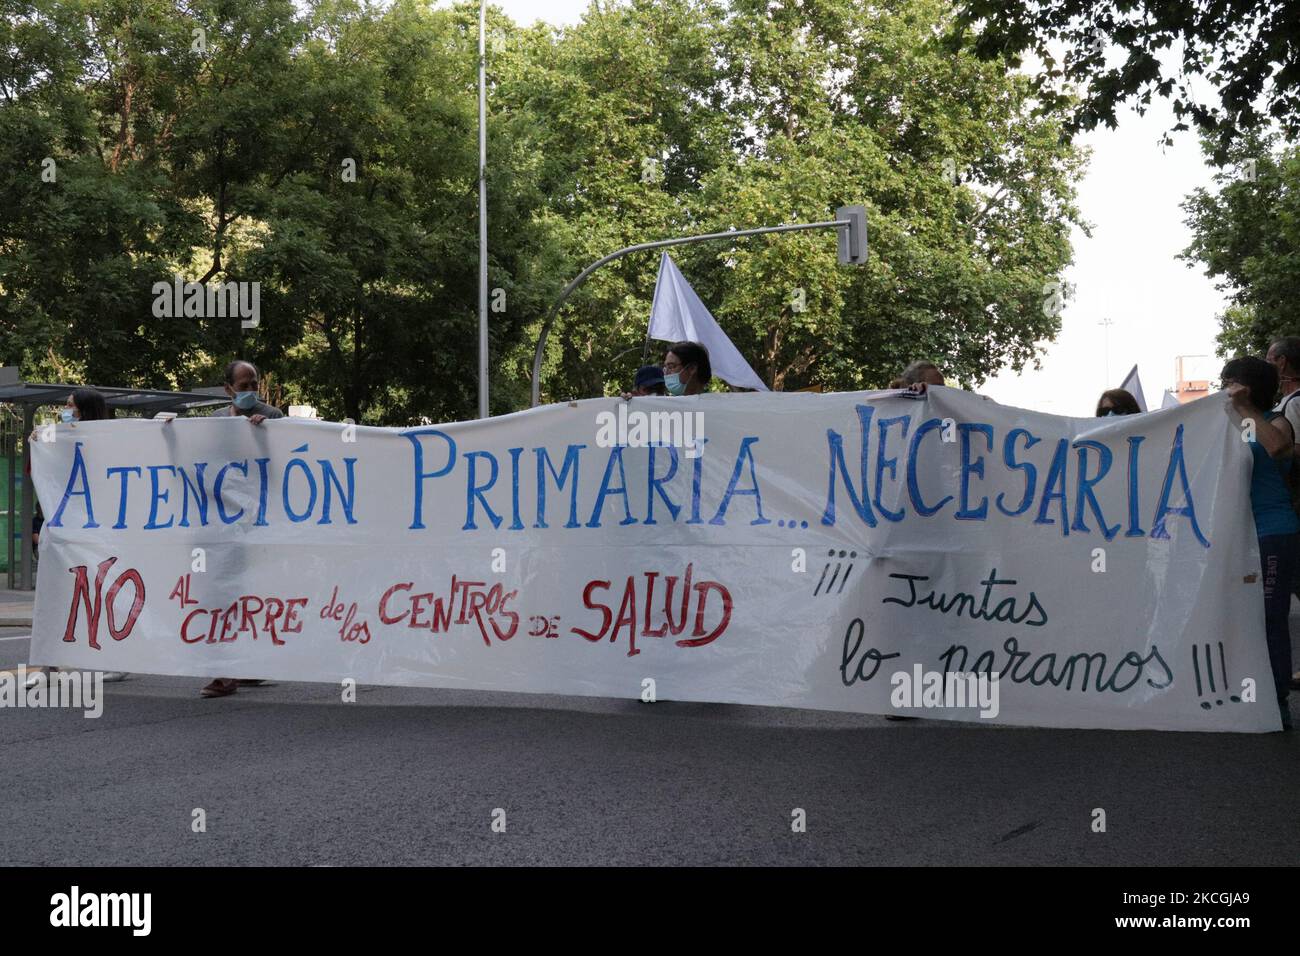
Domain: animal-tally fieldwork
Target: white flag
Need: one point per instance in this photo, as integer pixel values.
(1171, 400)
(678, 315)
(1133, 385)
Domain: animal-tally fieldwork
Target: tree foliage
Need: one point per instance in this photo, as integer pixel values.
(211, 140)
(749, 114)
(1246, 235)
(1129, 51)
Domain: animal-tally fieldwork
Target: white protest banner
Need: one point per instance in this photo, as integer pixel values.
(845, 552)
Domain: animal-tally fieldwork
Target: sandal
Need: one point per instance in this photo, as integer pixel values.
(221, 687)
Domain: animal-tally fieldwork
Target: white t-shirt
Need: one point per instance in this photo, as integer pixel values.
(1290, 407)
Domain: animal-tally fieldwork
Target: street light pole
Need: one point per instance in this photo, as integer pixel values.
(482, 214)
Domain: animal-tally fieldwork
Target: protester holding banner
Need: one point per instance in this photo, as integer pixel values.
(88, 405)
(1251, 384)
(83, 405)
(1284, 355)
(242, 385)
(917, 377)
(1117, 401)
(677, 314)
(922, 373)
(649, 380)
(686, 369)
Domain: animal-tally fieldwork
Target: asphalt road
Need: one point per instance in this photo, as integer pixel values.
(289, 774)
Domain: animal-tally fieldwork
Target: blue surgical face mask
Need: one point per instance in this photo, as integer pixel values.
(67, 416)
(244, 401)
(673, 382)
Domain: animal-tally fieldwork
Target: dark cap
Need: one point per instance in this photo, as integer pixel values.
(648, 375)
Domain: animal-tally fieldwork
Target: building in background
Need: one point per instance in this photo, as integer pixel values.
(1193, 377)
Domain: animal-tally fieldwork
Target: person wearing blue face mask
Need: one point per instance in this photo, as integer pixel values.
(686, 369)
(1117, 402)
(84, 405)
(242, 387)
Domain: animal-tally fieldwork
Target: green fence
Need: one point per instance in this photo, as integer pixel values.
(11, 503)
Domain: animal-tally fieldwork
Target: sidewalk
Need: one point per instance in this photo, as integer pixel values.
(16, 608)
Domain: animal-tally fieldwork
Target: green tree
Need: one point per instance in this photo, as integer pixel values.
(325, 152)
(215, 140)
(1242, 50)
(628, 118)
(1246, 235)
(681, 117)
(374, 279)
(87, 228)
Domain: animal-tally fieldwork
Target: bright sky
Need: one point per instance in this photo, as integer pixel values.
(1127, 272)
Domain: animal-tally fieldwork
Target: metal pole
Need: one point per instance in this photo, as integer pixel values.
(28, 506)
(582, 277)
(12, 449)
(482, 214)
